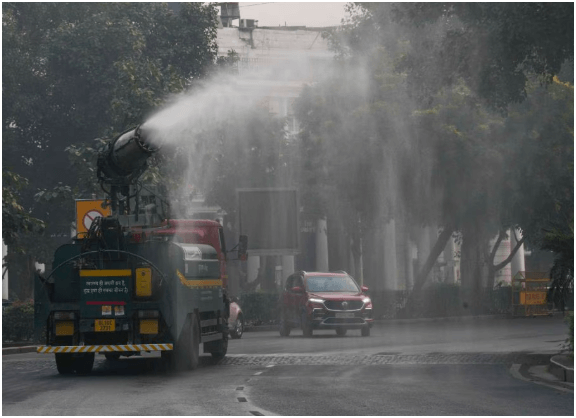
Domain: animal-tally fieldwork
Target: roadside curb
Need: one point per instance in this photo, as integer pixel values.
(560, 367)
(19, 350)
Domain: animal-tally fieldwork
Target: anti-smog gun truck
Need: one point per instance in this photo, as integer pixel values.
(135, 281)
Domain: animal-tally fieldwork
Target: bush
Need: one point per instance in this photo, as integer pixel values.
(18, 322)
(259, 307)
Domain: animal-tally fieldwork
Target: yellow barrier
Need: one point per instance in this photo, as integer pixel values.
(529, 290)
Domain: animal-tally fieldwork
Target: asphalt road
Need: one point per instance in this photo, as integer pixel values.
(403, 368)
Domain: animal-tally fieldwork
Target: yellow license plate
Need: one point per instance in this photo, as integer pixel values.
(148, 326)
(64, 327)
(105, 325)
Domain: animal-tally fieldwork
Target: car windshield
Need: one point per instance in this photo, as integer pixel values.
(331, 284)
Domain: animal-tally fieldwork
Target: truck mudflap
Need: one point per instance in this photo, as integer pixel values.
(104, 348)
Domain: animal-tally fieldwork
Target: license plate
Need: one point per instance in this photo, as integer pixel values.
(104, 325)
(344, 314)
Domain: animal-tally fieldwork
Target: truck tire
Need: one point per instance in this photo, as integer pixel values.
(194, 351)
(84, 364)
(64, 363)
(222, 349)
(187, 349)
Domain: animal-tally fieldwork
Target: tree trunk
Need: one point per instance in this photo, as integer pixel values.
(471, 267)
(420, 279)
(493, 269)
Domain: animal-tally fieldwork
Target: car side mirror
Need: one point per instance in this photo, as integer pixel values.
(364, 288)
(297, 289)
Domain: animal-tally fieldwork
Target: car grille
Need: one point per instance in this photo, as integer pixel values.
(336, 305)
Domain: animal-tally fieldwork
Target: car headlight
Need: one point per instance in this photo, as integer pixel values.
(366, 300)
(315, 300)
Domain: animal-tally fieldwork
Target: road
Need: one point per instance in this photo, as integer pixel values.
(403, 368)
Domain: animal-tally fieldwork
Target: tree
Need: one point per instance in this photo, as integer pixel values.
(459, 63)
(494, 48)
(15, 219)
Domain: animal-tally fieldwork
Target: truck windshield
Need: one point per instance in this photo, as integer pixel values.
(331, 284)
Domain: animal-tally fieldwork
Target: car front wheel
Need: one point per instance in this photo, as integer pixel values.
(306, 326)
(366, 331)
(238, 329)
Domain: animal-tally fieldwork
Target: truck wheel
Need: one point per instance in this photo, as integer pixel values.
(341, 332)
(220, 353)
(366, 331)
(64, 363)
(238, 330)
(194, 350)
(187, 349)
(84, 364)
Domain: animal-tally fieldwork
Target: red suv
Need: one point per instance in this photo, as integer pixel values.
(324, 301)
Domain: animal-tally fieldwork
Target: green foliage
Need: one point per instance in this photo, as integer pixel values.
(15, 218)
(18, 322)
(259, 307)
(229, 63)
(493, 47)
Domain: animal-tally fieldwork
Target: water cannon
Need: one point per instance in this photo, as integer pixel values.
(124, 159)
(120, 164)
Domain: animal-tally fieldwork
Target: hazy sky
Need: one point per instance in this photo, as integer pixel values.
(309, 14)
